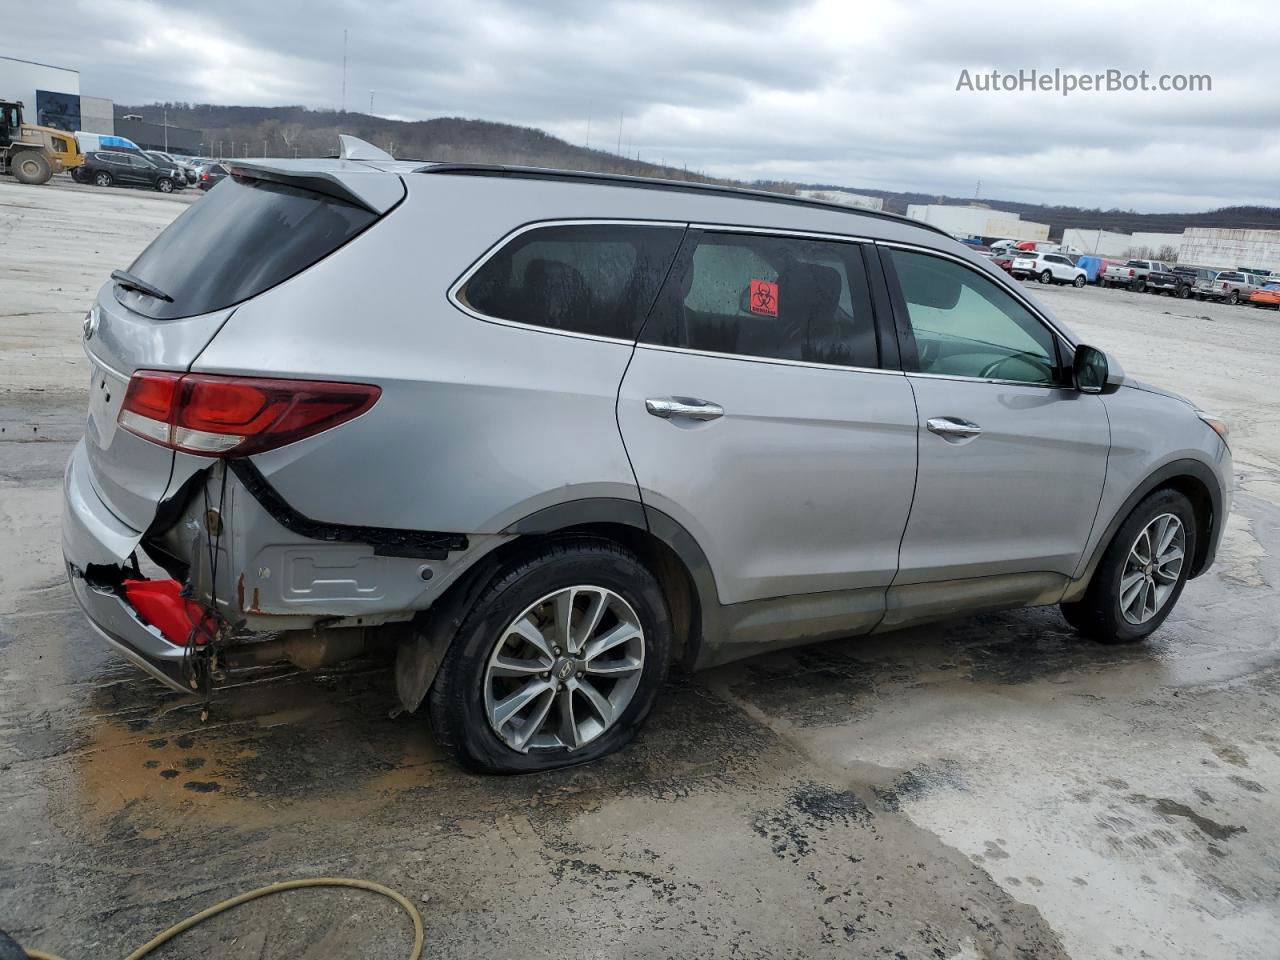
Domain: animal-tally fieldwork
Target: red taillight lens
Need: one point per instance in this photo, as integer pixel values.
(1131, 273)
(204, 174)
(217, 416)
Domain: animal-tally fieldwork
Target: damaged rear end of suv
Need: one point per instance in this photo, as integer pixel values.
(184, 446)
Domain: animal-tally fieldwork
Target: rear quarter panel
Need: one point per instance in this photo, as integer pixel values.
(479, 423)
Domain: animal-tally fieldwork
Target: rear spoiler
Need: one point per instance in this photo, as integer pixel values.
(348, 180)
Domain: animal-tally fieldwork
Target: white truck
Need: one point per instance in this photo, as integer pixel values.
(1132, 273)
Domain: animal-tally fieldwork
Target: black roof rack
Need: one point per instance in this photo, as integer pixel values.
(657, 183)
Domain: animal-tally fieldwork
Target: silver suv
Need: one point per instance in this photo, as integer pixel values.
(546, 433)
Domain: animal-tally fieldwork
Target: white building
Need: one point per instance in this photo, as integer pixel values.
(978, 221)
(50, 96)
(1218, 247)
(845, 198)
(1105, 243)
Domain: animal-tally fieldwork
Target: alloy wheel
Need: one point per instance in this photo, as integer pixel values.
(1152, 568)
(564, 671)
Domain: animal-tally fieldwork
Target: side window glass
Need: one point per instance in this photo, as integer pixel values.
(966, 325)
(782, 298)
(596, 279)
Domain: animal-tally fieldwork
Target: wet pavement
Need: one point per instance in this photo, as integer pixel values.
(992, 787)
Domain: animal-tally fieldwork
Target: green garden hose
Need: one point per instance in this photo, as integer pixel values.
(267, 891)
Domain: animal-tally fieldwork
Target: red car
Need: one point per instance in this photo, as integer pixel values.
(1004, 261)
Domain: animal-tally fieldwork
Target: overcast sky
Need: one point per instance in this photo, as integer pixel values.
(857, 94)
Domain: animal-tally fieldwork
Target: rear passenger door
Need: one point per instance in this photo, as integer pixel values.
(757, 415)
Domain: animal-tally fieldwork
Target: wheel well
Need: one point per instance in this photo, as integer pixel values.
(671, 573)
(661, 560)
(1202, 504)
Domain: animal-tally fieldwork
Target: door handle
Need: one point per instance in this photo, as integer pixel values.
(953, 429)
(685, 407)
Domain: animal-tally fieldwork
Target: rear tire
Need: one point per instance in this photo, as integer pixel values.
(1233, 297)
(1046, 276)
(103, 179)
(466, 699)
(1127, 601)
(30, 166)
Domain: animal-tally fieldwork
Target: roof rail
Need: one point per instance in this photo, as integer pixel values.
(657, 183)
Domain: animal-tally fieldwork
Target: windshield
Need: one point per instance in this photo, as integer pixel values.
(244, 237)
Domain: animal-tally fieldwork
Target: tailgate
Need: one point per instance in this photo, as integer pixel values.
(129, 473)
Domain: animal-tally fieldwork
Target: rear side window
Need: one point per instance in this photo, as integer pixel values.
(243, 237)
(782, 298)
(598, 279)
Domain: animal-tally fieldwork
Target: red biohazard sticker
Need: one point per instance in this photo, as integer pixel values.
(764, 298)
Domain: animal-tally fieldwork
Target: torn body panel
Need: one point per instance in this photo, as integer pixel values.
(260, 575)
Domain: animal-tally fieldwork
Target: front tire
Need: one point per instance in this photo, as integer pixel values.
(31, 167)
(1078, 282)
(1142, 573)
(558, 662)
(164, 185)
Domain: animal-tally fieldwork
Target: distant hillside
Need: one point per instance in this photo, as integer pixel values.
(289, 131)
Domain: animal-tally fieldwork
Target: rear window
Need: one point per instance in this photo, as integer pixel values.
(1136, 263)
(243, 237)
(1233, 277)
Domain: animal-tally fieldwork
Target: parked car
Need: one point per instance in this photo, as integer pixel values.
(1187, 278)
(1132, 274)
(1092, 266)
(1229, 286)
(1004, 260)
(1047, 268)
(333, 446)
(185, 164)
(107, 168)
(1163, 278)
(211, 175)
(1268, 296)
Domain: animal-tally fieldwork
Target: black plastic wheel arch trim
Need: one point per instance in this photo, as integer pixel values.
(1205, 552)
(386, 541)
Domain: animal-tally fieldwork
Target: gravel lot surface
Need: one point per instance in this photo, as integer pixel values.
(991, 787)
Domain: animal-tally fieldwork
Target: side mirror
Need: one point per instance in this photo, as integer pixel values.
(1092, 371)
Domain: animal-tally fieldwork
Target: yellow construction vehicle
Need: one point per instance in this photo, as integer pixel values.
(30, 153)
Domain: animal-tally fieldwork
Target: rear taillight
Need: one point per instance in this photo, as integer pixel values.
(204, 174)
(1131, 273)
(1225, 285)
(218, 416)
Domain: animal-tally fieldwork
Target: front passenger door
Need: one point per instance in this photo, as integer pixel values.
(1012, 457)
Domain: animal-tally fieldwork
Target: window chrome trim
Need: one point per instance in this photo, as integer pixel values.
(1007, 383)
(1013, 291)
(781, 232)
(778, 361)
(493, 250)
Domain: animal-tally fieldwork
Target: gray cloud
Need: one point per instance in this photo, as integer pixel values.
(823, 90)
